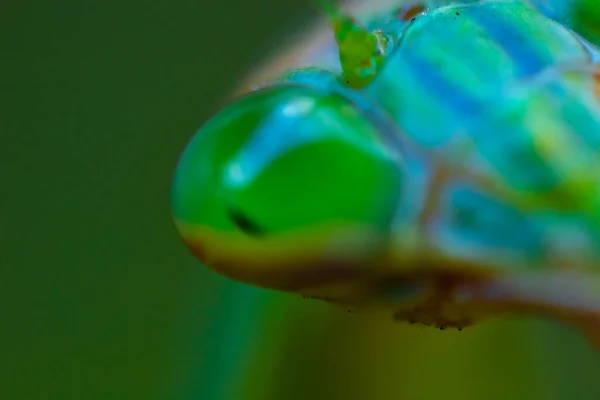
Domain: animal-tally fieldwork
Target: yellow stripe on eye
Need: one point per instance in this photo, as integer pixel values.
(288, 258)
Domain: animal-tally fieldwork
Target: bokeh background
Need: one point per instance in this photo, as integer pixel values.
(98, 298)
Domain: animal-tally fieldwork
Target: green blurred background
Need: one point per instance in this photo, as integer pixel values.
(99, 298)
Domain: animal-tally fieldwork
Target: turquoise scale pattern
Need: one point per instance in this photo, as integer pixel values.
(472, 86)
(454, 61)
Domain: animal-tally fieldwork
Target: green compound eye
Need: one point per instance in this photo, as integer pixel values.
(285, 185)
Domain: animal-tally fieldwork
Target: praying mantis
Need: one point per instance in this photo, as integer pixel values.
(434, 162)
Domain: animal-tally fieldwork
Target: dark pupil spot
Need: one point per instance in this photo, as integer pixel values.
(410, 11)
(244, 223)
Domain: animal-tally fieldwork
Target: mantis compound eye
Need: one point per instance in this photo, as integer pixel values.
(286, 187)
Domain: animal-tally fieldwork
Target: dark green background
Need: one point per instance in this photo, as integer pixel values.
(99, 300)
(97, 100)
